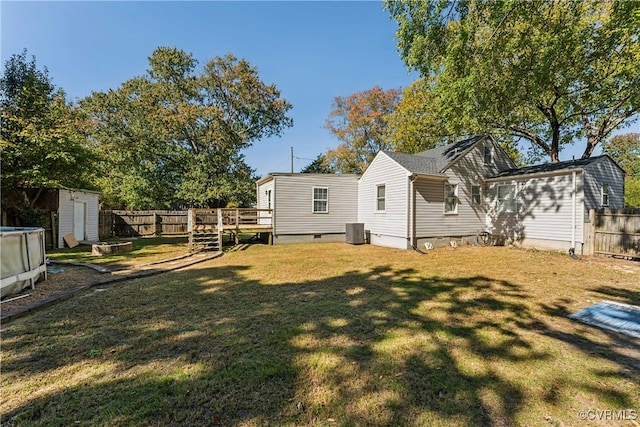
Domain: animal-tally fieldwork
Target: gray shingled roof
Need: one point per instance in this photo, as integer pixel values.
(446, 154)
(549, 167)
(435, 160)
(414, 163)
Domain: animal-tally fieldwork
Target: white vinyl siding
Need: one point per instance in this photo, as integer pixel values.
(543, 209)
(603, 171)
(431, 221)
(388, 228)
(320, 200)
(66, 202)
(291, 200)
(265, 201)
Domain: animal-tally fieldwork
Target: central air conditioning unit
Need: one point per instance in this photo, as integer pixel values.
(355, 233)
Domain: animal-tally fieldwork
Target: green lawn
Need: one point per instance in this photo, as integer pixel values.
(145, 250)
(330, 334)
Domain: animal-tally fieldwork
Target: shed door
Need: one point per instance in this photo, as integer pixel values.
(79, 220)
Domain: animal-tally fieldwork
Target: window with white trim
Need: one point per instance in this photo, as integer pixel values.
(507, 198)
(488, 151)
(476, 197)
(268, 199)
(381, 198)
(320, 200)
(450, 198)
(605, 195)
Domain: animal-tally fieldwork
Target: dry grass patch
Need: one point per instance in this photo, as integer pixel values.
(330, 334)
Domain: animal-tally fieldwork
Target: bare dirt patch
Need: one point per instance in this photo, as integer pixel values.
(619, 264)
(58, 283)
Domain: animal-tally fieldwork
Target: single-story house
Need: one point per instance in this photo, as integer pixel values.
(454, 192)
(308, 207)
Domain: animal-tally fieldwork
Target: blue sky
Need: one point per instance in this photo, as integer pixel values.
(311, 51)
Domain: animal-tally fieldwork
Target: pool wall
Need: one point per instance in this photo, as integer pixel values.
(22, 258)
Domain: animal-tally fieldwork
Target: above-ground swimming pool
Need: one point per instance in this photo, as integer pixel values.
(22, 258)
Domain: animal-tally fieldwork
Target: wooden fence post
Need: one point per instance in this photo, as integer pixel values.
(155, 224)
(54, 230)
(590, 234)
(220, 227)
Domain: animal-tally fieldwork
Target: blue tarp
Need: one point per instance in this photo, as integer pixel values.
(610, 315)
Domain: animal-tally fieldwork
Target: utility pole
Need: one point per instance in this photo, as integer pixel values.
(291, 159)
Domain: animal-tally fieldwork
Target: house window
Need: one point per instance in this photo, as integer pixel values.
(268, 199)
(507, 198)
(487, 154)
(380, 197)
(450, 198)
(320, 200)
(476, 199)
(605, 195)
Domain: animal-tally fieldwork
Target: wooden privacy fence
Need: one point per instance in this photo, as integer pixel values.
(120, 223)
(613, 232)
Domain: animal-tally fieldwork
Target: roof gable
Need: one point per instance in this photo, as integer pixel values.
(445, 155)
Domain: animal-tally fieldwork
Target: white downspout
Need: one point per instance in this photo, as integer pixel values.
(409, 213)
(411, 232)
(573, 212)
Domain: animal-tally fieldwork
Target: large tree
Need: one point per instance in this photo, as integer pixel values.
(359, 121)
(43, 143)
(550, 72)
(175, 135)
(625, 150)
(319, 165)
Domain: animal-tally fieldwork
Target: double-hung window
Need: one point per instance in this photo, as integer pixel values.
(320, 200)
(450, 198)
(605, 195)
(507, 198)
(488, 151)
(380, 198)
(476, 198)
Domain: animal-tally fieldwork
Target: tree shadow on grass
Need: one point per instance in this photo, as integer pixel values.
(207, 346)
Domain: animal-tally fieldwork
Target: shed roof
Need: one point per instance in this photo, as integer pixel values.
(272, 175)
(567, 165)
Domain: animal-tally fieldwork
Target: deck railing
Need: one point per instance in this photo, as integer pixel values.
(230, 218)
(207, 226)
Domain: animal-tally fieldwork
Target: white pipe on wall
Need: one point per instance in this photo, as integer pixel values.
(573, 210)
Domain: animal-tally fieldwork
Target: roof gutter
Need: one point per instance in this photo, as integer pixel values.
(438, 177)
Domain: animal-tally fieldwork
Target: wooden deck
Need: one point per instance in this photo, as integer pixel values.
(207, 226)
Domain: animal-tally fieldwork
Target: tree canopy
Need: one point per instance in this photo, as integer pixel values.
(43, 137)
(544, 71)
(175, 136)
(360, 122)
(319, 165)
(625, 150)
